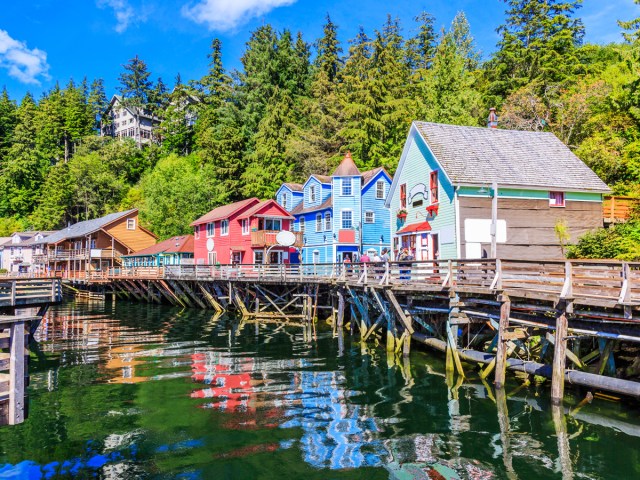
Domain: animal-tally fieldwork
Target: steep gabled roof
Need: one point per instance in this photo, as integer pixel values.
(347, 168)
(225, 211)
(371, 174)
(179, 244)
(323, 206)
(87, 227)
(294, 187)
(258, 207)
(480, 156)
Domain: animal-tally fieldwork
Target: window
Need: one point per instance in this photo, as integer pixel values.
(369, 216)
(327, 221)
(272, 224)
(131, 223)
(380, 189)
(318, 222)
(312, 194)
(245, 226)
(212, 258)
(556, 199)
(346, 187)
(93, 243)
(211, 229)
(285, 200)
(403, 195)
(258, 257)
(224, 227)
(301, 224)
(433, 186)
(196, 232)
(347, 219)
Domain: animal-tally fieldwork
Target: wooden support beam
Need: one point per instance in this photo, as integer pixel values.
(212, 301)
(340, 320)
(179, 292)
(16, 373)
(172, 293)
(560, 354)
(501, 354)
(398, 310)
(189, 291)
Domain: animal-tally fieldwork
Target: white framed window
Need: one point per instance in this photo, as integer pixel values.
(347, 191)
(131, 223)
(318, 222)
(556, 199)
(285, 200)
(212, 257)
(196, 232)
(369, 216)
(272, 224)
(312, 194)
(211, 229)
(327, 221)
(258, 257)
(380, 189)
(245, 226)
(347, 219)
(224, 227)
(301, 223)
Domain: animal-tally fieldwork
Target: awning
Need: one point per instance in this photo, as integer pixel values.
(414, 227)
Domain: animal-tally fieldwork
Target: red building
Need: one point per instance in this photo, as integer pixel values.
(242, 232)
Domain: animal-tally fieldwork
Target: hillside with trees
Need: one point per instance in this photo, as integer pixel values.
(297, 104)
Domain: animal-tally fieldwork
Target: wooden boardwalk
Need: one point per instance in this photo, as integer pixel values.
(565, 320)
(34, 294)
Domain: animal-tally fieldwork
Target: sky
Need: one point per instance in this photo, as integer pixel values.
(44, 41)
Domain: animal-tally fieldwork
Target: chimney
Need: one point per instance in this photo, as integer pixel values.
(492, 121)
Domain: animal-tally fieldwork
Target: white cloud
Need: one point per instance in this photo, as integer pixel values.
(228, 14)
(22, 63)
(124, 12)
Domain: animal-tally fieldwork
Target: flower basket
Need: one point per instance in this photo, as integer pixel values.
(402, 214)
(432, 209)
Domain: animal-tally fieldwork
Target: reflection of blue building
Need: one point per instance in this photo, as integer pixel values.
(336, 434)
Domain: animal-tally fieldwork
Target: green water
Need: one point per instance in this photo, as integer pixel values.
(142, 391)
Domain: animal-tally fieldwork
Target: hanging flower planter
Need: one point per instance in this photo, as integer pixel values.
(432, 210)
(402, 214)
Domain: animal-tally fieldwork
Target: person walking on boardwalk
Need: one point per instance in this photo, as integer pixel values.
(405, 266)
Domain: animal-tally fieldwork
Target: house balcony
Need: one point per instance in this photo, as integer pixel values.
(77, 254)
(267, 238)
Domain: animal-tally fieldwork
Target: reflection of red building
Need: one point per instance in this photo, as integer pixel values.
(231, 390)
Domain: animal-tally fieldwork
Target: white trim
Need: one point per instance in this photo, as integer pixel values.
(223, 222)
(133, 220)
(319, 222)
(342, 194)
(456, 207)
(213, 229)
(537, 188)
(383, 197)
(330, 224)
(373, 217)
(247, 230)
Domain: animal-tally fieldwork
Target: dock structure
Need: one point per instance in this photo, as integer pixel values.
(23, 303)
(567, 321)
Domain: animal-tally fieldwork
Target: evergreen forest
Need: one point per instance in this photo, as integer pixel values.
(296, 105)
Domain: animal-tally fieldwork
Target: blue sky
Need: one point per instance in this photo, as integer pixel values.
(42, 41)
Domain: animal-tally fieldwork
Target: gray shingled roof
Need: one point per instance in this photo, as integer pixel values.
(81, 229)
(474, 155)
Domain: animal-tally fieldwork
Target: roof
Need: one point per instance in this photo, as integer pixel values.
(323, 206)
(4, 240)
(81, 229)
(415, 227)
(371, 174)
(225, 211)
(321, 178)
(265, 203)
(294, 187)
(475, 155)
(179, 244)
(347, 167)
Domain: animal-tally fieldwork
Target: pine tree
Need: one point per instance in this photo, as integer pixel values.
(98, 102)
(422, 47)
(136, 89)
(214, 87)
(8, 121)
(539, 43)
(50, 118)
(159, 98)
(77, 117)
(328, 51)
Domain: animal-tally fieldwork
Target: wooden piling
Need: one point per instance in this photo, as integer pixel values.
(501, 354)
(559, 356)
(340, 309)
(16, 373)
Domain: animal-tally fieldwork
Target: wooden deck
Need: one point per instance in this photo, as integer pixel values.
(24, 292)
(608, 284)
(616, 209)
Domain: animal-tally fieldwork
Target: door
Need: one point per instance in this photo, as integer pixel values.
(236, 257)
(435, 246)
(275, 257)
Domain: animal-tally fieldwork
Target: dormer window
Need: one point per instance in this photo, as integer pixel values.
(347, 189)
(312, 194)
(131, 223)
(285, 200)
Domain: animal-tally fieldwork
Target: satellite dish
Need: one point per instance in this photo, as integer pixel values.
(209, 244)
(285, 238)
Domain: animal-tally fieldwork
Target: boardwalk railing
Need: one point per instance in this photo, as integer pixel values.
(18, 291)
(603, 283)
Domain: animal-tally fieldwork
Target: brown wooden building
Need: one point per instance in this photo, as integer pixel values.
(94, 245)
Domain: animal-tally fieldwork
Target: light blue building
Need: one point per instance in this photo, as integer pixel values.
(340, 215)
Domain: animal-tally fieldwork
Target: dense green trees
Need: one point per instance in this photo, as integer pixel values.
(293, 109)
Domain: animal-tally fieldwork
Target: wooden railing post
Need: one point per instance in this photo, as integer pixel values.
(567, 288)
(501, 353)
(16, 373)
(13, 292)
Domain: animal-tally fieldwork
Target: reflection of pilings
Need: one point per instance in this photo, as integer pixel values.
(505, 432)
(617, 385)
(564, 452)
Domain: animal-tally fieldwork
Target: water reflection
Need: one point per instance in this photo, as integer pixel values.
(136, 391)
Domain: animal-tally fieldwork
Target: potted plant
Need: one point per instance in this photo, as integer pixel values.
(402, 214)
(432, 210)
